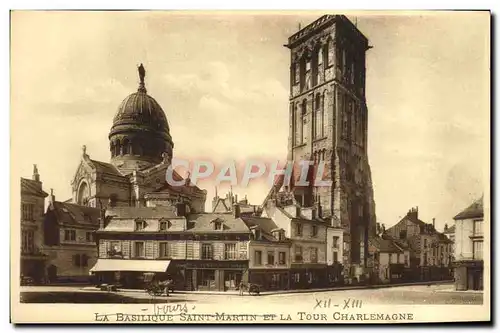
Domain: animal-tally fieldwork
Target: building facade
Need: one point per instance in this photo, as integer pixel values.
(33, 261)
(307, 233)
(387, 259)
(269, 260)
(69, 241)
(335, 252)
(430, 250)
(469, 251)
(199, 251)
(328, 122)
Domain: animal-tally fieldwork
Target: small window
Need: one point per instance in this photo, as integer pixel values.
(258, 257)
(163, 225)
(314, 231)
(270, 258)
(139, 225)
(298, 253)
(314, 255)
(229, 251)
(299, 229)
(164, 250)
(217, 225)
(282, 258)
(207, 251)
(335, 242)
(257, 234)
(84, 260)
(139, 250)
(76, 260)
(89, 236)
(69, 235)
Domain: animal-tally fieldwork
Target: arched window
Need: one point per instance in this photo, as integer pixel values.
(112, 148)
(83, 194)
(324, 115)
(297, 119)
(317, 119)
(302, 73)
(125, 147)
(302, 120)
(117, 148)
(315, 62)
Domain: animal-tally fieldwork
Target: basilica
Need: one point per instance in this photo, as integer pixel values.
(141, 150)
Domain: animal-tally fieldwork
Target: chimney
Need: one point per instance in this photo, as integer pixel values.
(180, 209)
(446, 227)
(434, 222)
(236, 198)
(52, 197)
(236, 210)
(36, 175)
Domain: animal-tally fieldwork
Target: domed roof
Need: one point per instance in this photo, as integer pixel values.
(141, 109)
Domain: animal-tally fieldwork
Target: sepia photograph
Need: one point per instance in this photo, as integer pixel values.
(218, 167)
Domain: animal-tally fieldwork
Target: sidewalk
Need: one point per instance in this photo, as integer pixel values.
(297, 291)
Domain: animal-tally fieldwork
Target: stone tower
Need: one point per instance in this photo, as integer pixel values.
(328, 122)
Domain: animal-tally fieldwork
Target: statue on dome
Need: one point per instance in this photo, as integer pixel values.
(142, 72)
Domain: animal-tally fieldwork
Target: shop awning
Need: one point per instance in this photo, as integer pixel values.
(126, 265)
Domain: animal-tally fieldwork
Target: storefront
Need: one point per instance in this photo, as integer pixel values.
(469, 275)
(270, 279)
(335, 274)
(213, 275)
(33, 266)
(305, 276)
(129, 273)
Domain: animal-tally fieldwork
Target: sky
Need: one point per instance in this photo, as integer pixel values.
(223, 82)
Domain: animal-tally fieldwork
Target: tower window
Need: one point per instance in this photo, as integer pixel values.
(125, 147)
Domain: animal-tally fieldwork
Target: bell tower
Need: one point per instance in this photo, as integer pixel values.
(328, 123)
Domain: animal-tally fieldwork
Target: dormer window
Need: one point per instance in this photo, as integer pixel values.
(218, 224)
(140, 225)
(164, 225)
(257, 234)
(279, 234)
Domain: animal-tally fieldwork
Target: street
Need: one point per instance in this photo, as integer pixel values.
(434, 294)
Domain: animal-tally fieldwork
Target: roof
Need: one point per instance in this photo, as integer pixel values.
(474, 210)
(265, 224)
(142, 212)
(385, 245)
(68, 213)
(450, 230)
(203, 222)
(107, 168)
(443, 238)
(124, 218)
(32, 187)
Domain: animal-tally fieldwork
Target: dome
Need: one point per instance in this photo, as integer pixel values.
(141, 109)
(140, 134)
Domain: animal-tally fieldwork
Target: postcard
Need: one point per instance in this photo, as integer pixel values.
(273, 167)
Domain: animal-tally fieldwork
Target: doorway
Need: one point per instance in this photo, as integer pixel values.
(52, 273)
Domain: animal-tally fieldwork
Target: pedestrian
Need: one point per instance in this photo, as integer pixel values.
(241, 287)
